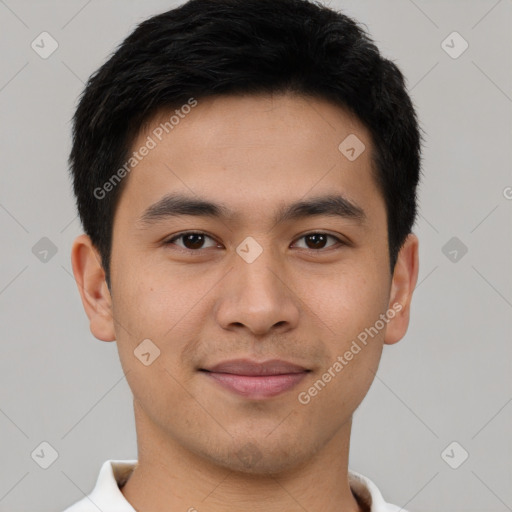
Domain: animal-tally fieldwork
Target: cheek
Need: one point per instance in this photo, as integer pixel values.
(152, 301)
(350, 306)
(347, 301)
(353, 348)
(170, 312)
(157, 324)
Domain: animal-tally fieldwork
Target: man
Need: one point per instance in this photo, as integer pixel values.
(246, 174)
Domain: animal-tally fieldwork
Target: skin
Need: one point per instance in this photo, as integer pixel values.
(297, 302)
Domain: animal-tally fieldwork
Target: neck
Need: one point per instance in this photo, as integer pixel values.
(169, 477)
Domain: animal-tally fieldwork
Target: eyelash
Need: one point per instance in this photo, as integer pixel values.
(170, 241)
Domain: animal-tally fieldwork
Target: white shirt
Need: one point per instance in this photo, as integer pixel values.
(107, 496)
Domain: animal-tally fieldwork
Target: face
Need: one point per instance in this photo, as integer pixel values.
(256, 320)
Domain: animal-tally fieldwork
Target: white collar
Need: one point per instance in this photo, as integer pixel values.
(107, 496)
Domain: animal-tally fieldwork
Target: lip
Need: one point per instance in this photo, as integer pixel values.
(251, 367)
(256, 380)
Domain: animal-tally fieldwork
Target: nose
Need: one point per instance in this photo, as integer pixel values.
(256, 296)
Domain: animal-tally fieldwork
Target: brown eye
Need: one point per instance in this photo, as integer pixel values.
(317, 241)
(191, 241)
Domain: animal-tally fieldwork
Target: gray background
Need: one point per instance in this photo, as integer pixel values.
(448, 380)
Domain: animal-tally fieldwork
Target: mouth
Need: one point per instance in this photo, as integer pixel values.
(256, 380)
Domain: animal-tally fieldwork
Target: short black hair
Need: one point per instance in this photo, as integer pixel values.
(220, 47)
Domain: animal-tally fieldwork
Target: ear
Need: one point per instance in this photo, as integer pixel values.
(403, 283)
(90, 278)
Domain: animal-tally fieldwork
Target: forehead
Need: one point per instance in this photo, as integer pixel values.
(227, 120)
(251, 151)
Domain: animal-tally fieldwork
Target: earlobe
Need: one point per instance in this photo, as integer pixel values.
(95, 295)
(404, 281)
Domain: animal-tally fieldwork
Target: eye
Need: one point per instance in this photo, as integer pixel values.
(192, 240)
(317, 240)
(195, 240)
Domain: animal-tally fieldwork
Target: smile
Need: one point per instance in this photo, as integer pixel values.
(256, 380)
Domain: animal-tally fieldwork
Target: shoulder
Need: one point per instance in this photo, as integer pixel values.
(106, 495)
(369, 495)
(84, 505)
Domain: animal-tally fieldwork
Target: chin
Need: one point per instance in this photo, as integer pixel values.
(259, 457)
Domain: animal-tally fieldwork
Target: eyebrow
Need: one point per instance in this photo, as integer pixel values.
(175, 205)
